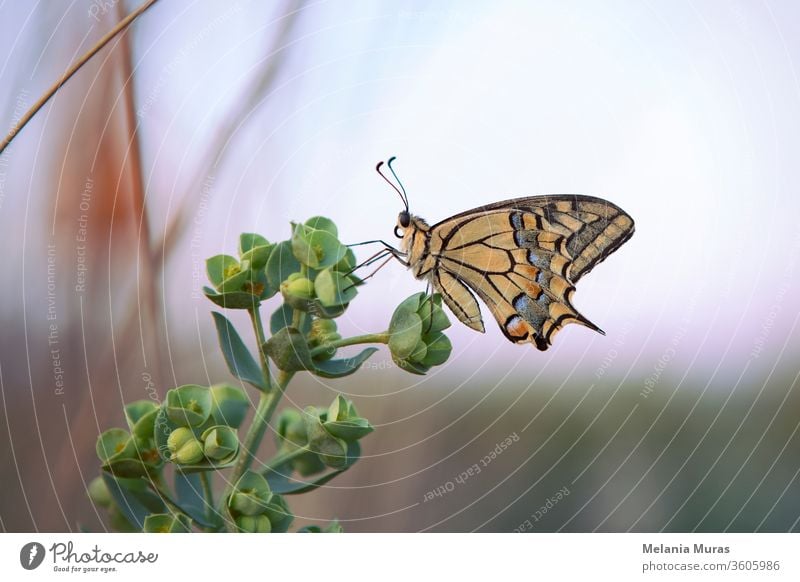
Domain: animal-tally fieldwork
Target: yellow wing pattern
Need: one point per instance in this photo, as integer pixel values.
(522, 258)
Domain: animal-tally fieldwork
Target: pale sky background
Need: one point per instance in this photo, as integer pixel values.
(683, 113)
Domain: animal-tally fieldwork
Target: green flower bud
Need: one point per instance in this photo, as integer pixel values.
(415, 339)
(99, 493)
(119, 522)
(249, 501)
(179, 437)
(253, 524)
(165, 523)
(291, 428)
(316, 248)
(420, 351)
(189, 453)
(189, 405)
(323, 332)
(220, 443)
(321, 329)
(298, 286)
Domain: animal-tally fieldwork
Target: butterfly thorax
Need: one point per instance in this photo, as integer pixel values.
(415, 244)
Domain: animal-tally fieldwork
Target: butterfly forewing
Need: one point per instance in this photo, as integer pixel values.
(522, 258)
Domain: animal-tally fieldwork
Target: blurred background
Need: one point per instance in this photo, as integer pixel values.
(207, 119)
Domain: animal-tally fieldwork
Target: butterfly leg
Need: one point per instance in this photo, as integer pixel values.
(372, 259)
(383, 254)
(429, 295)
(383, 242)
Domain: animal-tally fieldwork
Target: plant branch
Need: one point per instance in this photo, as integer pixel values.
(121, 25)
(267, 403)
(370, 338)
(208, 494)
(258, 329)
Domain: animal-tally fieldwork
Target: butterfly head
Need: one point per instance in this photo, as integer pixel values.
(403, 222)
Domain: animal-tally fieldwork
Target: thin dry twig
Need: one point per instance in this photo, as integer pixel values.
(72, 70)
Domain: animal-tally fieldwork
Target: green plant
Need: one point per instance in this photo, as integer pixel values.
(195, 431)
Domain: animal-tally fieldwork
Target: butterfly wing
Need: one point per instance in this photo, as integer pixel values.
(522, 257)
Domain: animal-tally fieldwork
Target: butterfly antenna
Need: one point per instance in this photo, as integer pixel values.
(405, 196)
(388, 181)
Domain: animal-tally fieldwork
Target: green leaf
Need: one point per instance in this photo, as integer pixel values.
(347, 263)
(349, 430)
(240, 362)
(189, 495)
(338, 410)
(143, 429)
(229, 405)
(280, 265)
(232, 300)
(249, 241)
(334, 289)
(289, 350)
(134, 411)
(134, 500)
(317, 309)
(283, 316)
(332, 527)
(343, 367)
(282, 484)
(322, 223)
(279, 514)
(412, 367)
(280, 318)
(255, 249)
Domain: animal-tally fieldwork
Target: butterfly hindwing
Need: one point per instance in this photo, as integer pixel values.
(522, 258)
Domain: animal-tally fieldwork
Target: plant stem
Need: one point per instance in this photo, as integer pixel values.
(370, 338)
(258, 328)
(208, 493)
(121, 25)
(267, 404)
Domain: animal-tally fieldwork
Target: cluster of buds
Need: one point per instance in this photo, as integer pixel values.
(416, 340)
(328, 436)
(255, 509)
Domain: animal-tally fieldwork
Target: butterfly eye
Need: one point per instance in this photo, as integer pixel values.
(397, 232)
(404, 219)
